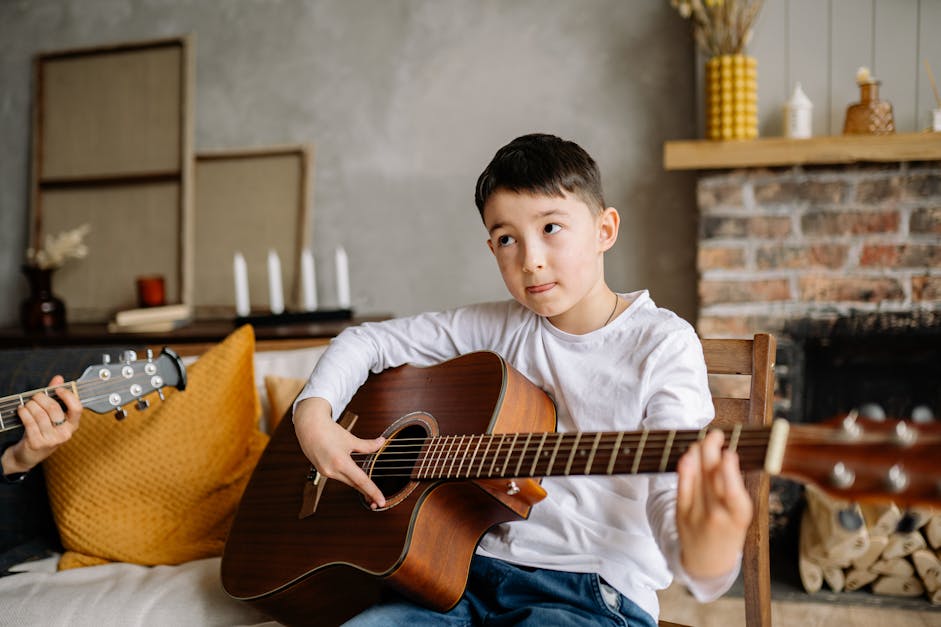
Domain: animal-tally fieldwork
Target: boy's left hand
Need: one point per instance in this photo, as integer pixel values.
(713, 508)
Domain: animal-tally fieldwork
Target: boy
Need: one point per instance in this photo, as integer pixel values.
(596, 549)
(46, 427)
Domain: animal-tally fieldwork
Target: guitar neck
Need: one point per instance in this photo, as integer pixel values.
(507, 455)
(10, 419)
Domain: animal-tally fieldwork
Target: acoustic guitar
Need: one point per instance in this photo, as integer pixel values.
(466, 440)
(108, 386)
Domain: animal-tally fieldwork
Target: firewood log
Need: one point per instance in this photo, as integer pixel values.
(932, 531)
(808, 555)
(877, 544)
(856, 578)
(895, 567)
(928, 567)
(882, 519)
(902, 544)
(898, 586)
(811, 575)
(842, 534)
(835, 577)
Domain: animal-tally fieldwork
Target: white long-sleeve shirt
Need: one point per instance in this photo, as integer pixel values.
(645, 369)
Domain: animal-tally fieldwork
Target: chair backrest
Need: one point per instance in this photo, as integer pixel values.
(751, 404)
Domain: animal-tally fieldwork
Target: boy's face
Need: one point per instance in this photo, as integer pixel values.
(550, 251)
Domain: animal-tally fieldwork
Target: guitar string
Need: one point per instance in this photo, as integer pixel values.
(13, 400)
(750, 450)
(649, 463)
(88, 394)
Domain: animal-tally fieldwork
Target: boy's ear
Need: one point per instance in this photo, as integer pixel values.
(490, 245)
(609, 221)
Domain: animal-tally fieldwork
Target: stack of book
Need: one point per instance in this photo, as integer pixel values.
(151, 319)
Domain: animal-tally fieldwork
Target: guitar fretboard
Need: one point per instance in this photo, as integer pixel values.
(9, 418)
(507, 455)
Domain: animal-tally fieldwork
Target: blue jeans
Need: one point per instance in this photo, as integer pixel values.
(501, 594)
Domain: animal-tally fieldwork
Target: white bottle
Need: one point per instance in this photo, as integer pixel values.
(798, 115)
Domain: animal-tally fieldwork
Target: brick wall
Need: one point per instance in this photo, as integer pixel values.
(778, 245)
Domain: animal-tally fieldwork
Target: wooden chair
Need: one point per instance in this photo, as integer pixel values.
(753, 358)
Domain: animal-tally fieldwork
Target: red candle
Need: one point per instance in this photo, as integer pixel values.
(150, 291)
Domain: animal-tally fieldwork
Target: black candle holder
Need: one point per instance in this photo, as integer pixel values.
(294, 317)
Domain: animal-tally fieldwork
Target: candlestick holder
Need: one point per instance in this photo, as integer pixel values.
(268, 319)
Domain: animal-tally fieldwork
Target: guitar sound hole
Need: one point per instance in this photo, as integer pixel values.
(393, 465)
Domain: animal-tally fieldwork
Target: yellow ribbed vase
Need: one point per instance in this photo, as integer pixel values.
(731, 97)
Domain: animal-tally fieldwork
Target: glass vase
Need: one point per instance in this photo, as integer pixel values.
(869, 116)
(42, 312)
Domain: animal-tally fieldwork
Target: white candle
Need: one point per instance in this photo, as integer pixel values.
(275, 293)
(343, 279)
(242, 307)
(308, 280)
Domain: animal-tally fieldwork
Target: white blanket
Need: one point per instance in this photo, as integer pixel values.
(122, 595)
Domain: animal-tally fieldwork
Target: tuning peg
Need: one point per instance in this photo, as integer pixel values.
(905, 435)
(851, 428)
(128, 356)
(150, 355)
(142, 404)
(106, 358)
(120, 414)
(160, 393)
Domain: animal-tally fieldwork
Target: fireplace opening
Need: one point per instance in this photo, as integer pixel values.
(884, 365)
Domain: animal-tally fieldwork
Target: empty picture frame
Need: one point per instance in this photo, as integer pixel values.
(112, 147)
(249, 201)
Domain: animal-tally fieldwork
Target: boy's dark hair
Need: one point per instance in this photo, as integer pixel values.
(541, 164)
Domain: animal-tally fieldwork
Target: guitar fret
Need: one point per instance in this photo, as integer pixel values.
(423, 458)
(614, 452)
(483, 458)
(474, 455)
(555, 452)
(532, 471)
(459, 456)
(496, 454)
(640, 451)
(509, 454)
(666, 451)
(568, 466)
(522, 454)
(443, 455)
(591, 456)
(453, 455)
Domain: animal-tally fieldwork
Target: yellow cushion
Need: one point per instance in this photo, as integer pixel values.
(162, 486)
(281, 394)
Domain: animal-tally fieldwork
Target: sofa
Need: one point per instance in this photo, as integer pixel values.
(125, 524)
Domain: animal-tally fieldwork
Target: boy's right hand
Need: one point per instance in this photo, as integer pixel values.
(329, 446)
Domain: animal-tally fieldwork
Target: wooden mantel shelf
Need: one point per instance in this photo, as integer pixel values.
(781, 151)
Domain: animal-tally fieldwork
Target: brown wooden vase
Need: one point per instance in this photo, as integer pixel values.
(869, 116)
(41, 312)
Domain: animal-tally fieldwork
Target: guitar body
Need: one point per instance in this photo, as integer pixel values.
(327, 566)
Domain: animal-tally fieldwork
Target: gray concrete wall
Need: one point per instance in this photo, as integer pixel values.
(405, 102)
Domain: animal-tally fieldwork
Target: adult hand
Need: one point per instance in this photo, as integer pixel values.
(329, 447)
(713, 508)
(46, 427)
